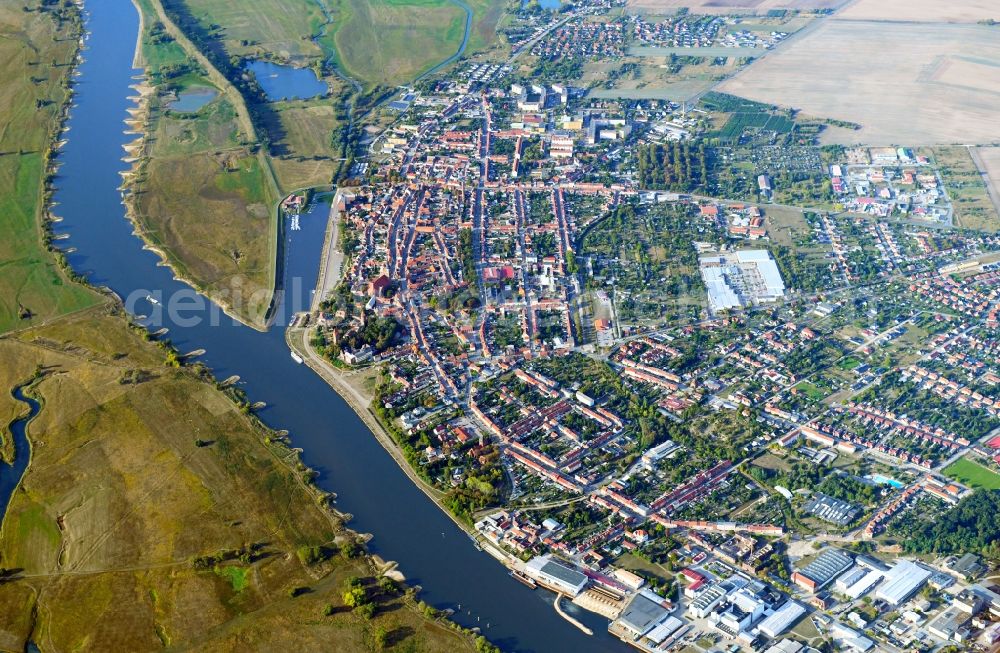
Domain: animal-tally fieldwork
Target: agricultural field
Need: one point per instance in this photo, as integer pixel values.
(929, 11)
(228, 536)
(940, 89)
(726, 7)
(32, 287)
(973, 474)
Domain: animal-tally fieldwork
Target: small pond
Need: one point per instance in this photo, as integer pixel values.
(193, 98)
(287, 82)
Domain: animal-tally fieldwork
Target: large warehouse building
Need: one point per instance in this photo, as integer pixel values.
(556, 575)
(782, 619)
(818, 573)
(901, 582)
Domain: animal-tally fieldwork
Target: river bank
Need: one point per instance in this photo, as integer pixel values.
(298, 341)
(142, 122)
(331, 260)
(12, 470)
(429, 547)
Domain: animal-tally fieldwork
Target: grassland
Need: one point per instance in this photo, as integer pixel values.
(375, 41)
(304, 155)
(392, 41)
(987, 160)
(120, 498)
(202, 196)
(276, 27)
(973, 474)
(210, 214)
(155, 512)
(34, 74)
(651, 78)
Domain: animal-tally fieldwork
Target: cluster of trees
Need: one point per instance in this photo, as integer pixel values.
(676, 166)
(356, 597)
(502, 146)
(378, 333)
(246, 554)
(799, 271)
(971, 526)
(311, 555)
(457, 300)
(482, 481)
(560, 68)
(468, 256)
(799, 475)
(847, 488)
(544, 244)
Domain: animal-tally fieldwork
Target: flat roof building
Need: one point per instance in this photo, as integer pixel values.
(968, 565)
(818, 573)
(832, 510)
(864, 585)
(849, 577)
(556, 575)
(667, 628)
(901, 582)
(849, 639)
(705, 602)
(790, 646)
(782, 619)
(642, 614)
(950, 624)
(742, 278)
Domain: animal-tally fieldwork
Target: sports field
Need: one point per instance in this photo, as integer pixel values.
(973, 474)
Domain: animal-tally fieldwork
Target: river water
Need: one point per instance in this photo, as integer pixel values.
(10, 475)
(406, 525)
